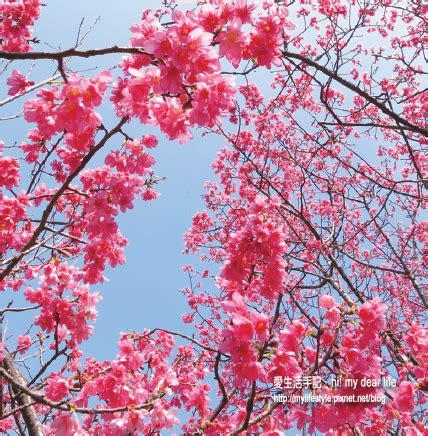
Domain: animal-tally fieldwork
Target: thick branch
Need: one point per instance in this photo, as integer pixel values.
(72, 52)
(34, 426)
(357, 90)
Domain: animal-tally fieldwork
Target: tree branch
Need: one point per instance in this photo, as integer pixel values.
(72, 52)
(357, 90)
(24, 400)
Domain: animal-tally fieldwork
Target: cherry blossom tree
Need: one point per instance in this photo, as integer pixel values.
(314, 235)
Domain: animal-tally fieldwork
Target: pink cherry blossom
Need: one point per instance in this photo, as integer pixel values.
(57, 387)
(18, 83)
(24, 342)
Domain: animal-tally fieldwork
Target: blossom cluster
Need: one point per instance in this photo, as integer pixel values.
(17, 20)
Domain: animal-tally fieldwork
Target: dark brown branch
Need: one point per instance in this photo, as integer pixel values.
(72, 52)
(18, 309)
(47, 364)
(368, 125)
(357, 90)
(225, 395)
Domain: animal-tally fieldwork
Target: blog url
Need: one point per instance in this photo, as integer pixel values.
(329, 399)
